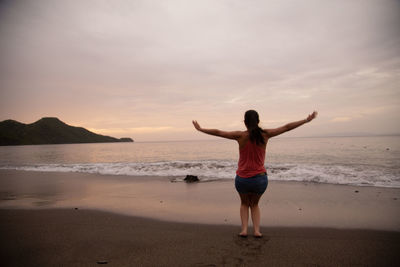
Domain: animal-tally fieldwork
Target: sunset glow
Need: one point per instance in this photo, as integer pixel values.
(145, 69)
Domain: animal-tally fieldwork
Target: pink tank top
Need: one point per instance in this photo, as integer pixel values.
(251, 160)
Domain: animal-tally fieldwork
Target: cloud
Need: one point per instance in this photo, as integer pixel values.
(137, 64)
(133, 130)
(341, 119)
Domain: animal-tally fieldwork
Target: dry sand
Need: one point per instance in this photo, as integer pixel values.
(70, 219)
(61, 237)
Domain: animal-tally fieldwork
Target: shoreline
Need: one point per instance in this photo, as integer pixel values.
(285, 204)
(69, 237)
(180, 179)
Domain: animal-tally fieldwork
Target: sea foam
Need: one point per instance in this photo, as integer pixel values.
(209, 170)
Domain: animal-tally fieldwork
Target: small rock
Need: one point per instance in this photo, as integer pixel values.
(356, 191)
(299, 208)
(387, 148)
(161, 201)
(76, 208)
(225, 220)
(395, 198)
(191, 179)
(102, 262)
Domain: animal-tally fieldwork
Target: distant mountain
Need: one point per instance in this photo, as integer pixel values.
(49, 131)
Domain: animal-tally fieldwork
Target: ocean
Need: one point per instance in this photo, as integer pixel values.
(359, 161)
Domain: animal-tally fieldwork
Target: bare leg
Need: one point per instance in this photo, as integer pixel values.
(255, 213)
(255, 216)
(244, 213)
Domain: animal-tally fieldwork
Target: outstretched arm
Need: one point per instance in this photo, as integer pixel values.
(229, 135)
(290, 126)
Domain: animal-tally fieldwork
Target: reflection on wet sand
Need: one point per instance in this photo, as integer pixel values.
(284, 204)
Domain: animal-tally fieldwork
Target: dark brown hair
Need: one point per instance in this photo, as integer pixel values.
(251, 121)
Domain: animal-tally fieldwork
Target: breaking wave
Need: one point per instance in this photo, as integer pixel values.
(209, 170)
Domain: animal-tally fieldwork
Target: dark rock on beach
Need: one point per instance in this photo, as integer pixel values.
(191, 179)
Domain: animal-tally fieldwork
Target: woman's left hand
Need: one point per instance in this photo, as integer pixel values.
(312, 116)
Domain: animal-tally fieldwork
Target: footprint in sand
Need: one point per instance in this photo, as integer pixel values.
(251, 246)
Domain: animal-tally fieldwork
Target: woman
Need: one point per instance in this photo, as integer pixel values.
(251, 177)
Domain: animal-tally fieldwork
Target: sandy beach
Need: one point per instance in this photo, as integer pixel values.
(67, 237)
(73, 219)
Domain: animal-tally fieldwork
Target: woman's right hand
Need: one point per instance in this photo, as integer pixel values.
(196, 125)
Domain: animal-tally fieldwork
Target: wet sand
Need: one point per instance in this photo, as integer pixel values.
(71, 219)
(287, 204)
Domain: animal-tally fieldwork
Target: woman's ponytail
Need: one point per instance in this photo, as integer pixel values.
(251, 121)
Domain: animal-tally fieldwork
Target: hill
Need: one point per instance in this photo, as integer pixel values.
(49, 131)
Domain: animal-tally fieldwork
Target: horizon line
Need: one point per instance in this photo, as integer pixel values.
(284, 137)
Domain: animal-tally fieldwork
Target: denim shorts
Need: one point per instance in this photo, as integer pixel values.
(256, 184)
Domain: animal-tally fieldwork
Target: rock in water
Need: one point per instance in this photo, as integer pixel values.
(191, 179)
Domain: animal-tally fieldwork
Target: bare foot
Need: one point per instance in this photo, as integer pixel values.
(257, 234)
(243, 234)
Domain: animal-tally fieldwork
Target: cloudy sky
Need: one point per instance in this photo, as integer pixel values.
(145, 69)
